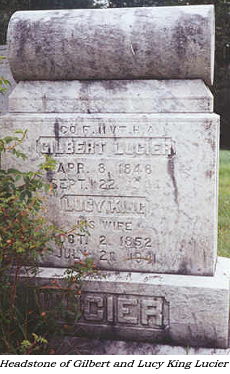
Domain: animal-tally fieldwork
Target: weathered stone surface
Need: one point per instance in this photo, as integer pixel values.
(136, 159)
(146, 183)
(88, 346)
(136, 96)
(122, 43)
(172, 309)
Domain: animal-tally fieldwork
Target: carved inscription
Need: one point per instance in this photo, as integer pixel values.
(100, 127)
(139, 311)
(111, 241)
(116, 225)
(116, 309)
(125, 146)
(109, 127)
(109, 174)
(113, 205)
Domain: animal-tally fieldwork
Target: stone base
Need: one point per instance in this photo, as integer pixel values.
(88, 346)
(155, 308)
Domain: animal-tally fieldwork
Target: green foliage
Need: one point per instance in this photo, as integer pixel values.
(224, 205)
(23, 229)
(64, 296)
(25, 236)
(26, 346)
(3, 82)
(75, 274)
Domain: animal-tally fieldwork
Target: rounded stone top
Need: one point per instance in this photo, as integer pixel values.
(117, 43)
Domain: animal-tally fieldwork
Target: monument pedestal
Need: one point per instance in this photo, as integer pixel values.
(147, 184)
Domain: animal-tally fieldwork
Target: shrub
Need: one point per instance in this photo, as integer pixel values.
(25, 235)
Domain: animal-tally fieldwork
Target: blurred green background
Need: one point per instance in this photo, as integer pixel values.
(224, 205)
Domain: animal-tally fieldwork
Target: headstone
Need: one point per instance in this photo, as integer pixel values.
(137, 157)
(133, 158)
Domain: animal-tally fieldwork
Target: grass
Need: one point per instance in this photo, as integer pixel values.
(224, 205)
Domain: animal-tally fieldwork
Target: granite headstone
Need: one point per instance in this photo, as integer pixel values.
(123, 108)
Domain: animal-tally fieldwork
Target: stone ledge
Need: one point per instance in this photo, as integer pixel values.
(170, 309)
(118, 96)
(87, 346)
